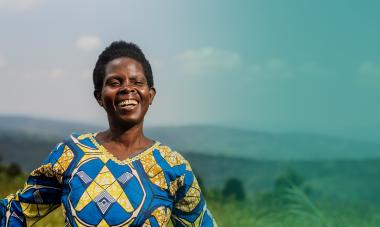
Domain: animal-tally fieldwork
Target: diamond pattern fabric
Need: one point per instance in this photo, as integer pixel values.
(96, 189)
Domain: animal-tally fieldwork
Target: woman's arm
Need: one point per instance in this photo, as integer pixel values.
(41, 193)
(190, 207)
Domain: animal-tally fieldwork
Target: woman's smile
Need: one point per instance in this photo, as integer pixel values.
(125, 93)
(128, 104)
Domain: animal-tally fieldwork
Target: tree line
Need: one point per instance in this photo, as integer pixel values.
(11, 170)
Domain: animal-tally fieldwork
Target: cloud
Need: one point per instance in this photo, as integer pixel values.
(313, 69)
(277, 68)
(56, 73)
(2, 61)
(88, 43)
(156, 63)
(51, 74)
(211, 61)
(272, 68)
(19, 5)
(208, 60)
(368, 74)
(369, 71)
(85, 74)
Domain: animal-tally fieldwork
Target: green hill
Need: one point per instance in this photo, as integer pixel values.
(212, 140)
(337, 179)
(331, 167)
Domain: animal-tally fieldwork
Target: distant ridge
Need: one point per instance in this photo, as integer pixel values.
(257, 158)
(263, 145)
(213, 140)
(43, 128)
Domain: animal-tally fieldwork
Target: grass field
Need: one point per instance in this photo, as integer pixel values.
(259, 211)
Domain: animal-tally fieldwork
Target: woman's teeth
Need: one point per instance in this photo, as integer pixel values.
(127, 102)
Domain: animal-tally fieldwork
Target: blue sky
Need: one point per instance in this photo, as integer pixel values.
(266, 65)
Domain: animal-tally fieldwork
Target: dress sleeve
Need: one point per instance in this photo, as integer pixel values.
(190, 207)
(41, 193)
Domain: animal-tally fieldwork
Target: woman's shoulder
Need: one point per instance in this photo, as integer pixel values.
(164, 166)
(68, 147)
(64, 153)
(80, 138)
(80, 141)
(169, 155)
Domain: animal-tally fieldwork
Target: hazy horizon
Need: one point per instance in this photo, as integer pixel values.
(274, 66)
(103, 125)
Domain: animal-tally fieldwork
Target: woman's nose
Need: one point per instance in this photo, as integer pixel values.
(127, 88)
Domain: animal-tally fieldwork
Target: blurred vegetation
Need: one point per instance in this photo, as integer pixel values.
(248, 178)
(13, 170)
(233, 189)
(290, 203)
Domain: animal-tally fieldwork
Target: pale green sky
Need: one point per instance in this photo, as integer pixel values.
(310, 66)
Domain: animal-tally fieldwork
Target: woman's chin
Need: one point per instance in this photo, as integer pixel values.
(127, 108)
(128, 120)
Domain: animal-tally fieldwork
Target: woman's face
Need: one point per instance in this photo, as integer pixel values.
(125, 93)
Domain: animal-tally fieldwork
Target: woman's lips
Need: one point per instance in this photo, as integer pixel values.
(127, 104)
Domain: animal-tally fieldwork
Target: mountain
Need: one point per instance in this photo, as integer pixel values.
(212, 140)
(263, 145)
(332, 179)
(43, 128)
(332, 167)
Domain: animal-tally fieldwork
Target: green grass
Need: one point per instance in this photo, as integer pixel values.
(11, 185)
(298, 211)
(259, 211)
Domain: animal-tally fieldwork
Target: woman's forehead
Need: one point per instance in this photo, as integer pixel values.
(124, 64)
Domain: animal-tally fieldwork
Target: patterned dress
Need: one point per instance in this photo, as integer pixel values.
(96, 189)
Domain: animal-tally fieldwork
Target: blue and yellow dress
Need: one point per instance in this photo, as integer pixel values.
(96, 189)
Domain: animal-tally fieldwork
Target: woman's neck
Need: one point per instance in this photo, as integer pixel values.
(125, 135)
(124, 141)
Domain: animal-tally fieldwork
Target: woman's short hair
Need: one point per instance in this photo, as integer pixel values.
(119, 49)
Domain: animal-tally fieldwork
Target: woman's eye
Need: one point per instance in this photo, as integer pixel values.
(139, 83)
(114, 83)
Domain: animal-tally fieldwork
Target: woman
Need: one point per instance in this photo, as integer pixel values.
(117, 177)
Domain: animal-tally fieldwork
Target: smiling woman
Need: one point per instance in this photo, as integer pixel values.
(125, 94)
(116, 177)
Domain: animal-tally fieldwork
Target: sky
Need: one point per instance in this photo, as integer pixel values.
(280, 66)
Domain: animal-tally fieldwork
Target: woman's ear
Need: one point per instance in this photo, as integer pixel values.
(152, 92)
(98, 97)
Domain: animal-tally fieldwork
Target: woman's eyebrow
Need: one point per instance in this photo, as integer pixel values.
(112, 76)
(135, 76)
